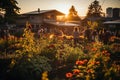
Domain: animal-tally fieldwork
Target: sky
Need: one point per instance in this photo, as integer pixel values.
(81, 6)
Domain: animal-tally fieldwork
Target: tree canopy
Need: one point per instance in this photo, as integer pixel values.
(10, 8)
(73, 14)
(95, 10)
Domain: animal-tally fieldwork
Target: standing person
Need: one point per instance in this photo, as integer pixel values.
(76, 35)
(106, 36)
(100, 35)
(94, 35)
(40, 32)
(88, 34)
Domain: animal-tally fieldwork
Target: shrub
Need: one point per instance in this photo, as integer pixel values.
(30, 68)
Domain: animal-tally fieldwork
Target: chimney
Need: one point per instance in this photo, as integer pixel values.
(38, 10)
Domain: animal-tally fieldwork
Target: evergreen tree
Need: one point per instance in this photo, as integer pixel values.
(73, 14)
(95, 10)
(10, 8)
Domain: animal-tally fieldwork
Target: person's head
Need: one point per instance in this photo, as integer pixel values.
(76, 29)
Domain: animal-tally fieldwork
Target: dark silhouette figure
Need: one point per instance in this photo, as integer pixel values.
(88, 34)
(76, 35)
(106, 36)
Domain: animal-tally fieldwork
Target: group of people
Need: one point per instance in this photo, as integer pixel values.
(92, 35)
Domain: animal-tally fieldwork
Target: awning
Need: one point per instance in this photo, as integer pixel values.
(112, 22)
(62, 23)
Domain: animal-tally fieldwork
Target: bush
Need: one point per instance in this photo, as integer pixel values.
(30, 68)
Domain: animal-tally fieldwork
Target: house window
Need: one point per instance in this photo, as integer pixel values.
(37, 25)
(31, 17)
(112, 26)
(32, 25)
(48, 17)
(52, 16)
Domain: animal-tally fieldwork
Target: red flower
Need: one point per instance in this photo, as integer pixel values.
(85, 60)
(94, 49)
(108, 54)
(79, 62)
(89, 71)
(51, 46)
(104, 52)
(76, 71)
(69, 75)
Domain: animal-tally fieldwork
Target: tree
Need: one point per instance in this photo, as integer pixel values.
(73, 14)
(10, 8)
(95, 10)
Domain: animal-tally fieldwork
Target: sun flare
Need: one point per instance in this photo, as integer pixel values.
(63, 8)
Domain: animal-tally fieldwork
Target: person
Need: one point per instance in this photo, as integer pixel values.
(106, 36)
(76, 35)
(94, 35)
(40, 31)
(100, 35)
(88, 34)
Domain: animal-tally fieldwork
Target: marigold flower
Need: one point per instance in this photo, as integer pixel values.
(85, 60)
(94, 49)
(76, 71)
(69, 75)
(93, 63)
(104, 51)
(97, 54)
(79, 62)
(89, 71)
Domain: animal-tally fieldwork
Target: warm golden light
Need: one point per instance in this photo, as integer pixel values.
(60, 18)
(51, 36)
(63, 8)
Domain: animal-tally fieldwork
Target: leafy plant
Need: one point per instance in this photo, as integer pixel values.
(31, 68)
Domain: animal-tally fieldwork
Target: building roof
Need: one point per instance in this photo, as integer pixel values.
(42, 12)
(112, 22)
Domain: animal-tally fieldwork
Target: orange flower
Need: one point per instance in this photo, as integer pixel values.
(79, 62)
(69, 75)
(105, 51)
(89, 71)
(97, 62)
(76, 71)
(94, 49)
(93, 63)
(97, 54)
(85, 60)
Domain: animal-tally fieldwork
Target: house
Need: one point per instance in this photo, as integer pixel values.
(38, 17)
(114, 26)
(52, 20)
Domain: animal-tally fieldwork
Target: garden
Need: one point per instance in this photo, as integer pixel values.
(52, 57)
